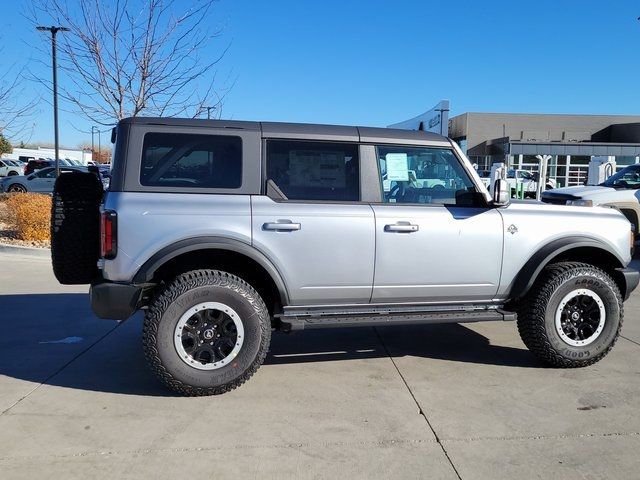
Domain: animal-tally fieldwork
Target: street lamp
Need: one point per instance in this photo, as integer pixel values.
(93, 127)
(53, 31)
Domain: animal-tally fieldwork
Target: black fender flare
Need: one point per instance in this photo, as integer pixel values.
(528, 274)
(147, 270)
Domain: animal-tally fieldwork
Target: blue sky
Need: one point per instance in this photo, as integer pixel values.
(378, 62)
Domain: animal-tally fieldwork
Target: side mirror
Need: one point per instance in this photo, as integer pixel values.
(501, 193)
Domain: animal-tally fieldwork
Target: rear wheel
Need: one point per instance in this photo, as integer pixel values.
(572, 316)
(12, 173)
(207, 333)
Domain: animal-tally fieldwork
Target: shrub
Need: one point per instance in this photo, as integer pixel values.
(30, 215)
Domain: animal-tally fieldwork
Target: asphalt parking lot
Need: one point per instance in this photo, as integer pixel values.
(446, 401)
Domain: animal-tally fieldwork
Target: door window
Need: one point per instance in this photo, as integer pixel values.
(425, 175)
(46, 173)
(314, 170)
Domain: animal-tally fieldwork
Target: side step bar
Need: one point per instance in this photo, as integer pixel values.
(292, 322)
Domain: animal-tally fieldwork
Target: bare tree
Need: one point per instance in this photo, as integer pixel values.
(126, 57)
(16, 107)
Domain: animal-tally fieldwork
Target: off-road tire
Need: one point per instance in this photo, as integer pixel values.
(536, 315)
(185, 291)
(75, 227)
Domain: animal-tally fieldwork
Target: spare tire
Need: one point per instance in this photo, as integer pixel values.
(75, 227)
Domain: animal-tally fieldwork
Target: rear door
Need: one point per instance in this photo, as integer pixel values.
(313, 225)
(436, 239)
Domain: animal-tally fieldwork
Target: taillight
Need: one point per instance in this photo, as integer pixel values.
(108, 234)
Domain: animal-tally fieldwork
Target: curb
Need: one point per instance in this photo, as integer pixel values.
(28, 251)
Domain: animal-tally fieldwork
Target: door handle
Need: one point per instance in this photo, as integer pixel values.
(281, 226)
(401, 228)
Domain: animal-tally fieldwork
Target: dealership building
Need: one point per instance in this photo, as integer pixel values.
(570, 142)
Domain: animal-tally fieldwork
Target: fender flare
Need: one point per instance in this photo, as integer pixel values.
(528, 274)
(147, 270)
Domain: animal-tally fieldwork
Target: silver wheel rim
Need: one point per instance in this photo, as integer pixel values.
(208, 327)
(580, 317)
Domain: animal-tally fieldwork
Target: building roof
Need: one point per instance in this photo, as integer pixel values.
(550, 134)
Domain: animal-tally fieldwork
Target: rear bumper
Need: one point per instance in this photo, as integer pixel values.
(115, 301)
(631, 279)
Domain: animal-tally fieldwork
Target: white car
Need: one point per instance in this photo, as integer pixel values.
(8, 168)
(529, 181)
(620, 191)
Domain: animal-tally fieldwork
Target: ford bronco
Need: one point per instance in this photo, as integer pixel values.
(223, 231)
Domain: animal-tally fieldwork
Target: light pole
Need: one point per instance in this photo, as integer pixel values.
(94, 128)
(93, 150)
(53, 31)
(209, 112)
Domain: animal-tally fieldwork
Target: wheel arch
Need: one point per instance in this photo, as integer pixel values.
(215, 252)
(575, 248)
(632, 215)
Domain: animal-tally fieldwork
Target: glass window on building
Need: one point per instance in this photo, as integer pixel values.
(623, 161)
(580, 159)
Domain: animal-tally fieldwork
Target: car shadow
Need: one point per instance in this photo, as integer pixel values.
(55, 339)
(451, 342)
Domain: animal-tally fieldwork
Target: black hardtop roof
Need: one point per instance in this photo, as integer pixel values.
(300, 130)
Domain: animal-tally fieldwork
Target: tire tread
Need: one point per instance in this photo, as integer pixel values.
(531, 314)
(180, 285)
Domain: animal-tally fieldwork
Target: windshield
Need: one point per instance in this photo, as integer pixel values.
(628, 177)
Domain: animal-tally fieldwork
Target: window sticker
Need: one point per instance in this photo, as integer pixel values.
(397, 167)
(309, 168)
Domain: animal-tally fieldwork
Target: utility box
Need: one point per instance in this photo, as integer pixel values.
(600, 168)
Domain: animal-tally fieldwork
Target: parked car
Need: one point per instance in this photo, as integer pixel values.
(8, 168)
(620, 191)
(529, 181)
(33, 165)
(223, 231)
(40, 181)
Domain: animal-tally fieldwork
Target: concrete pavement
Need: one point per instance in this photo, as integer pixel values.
(445, 401)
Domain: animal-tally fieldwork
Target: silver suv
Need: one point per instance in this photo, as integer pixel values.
(222, 231)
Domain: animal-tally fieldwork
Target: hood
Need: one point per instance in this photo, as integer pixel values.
(579, 190)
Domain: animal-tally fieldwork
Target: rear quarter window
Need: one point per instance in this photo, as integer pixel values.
(188, 160)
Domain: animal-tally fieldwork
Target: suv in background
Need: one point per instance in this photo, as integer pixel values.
(222, 231)
(9, 168)
(620, 191)
(33, 165)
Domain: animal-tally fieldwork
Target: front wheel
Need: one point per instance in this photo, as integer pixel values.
(17, 188)
(572, 316)
(207, 333)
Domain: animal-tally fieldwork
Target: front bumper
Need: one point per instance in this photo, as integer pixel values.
(631, 278)
(115, 301)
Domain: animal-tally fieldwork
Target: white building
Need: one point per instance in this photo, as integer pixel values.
(26, 154)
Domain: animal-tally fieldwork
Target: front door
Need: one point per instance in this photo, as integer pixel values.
(315, 230)
(42, 180)
(436, 240)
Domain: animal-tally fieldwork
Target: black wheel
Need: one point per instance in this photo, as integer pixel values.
(17, 188)
(206, 333)
(75, 227)
(572, 316)
(12, 173)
